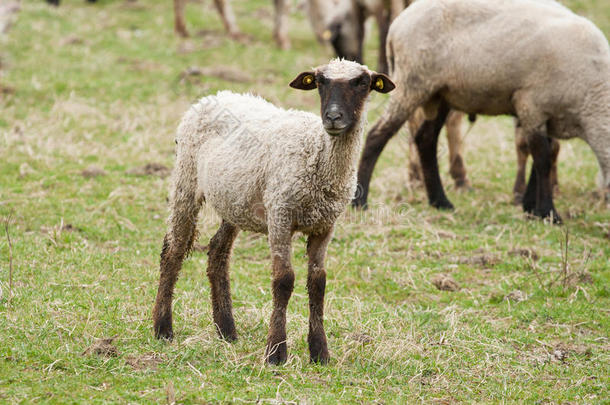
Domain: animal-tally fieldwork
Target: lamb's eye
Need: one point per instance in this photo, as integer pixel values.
(359, 81)
(322, 80)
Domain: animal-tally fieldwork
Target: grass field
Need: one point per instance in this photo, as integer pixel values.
(90, 94)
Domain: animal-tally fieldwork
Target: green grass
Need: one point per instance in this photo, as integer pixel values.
(101, 85)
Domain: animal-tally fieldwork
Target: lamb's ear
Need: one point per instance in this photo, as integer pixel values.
(381, 83)
(304, 81)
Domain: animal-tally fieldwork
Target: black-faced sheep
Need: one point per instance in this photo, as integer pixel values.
(535, 60)
(228, 19)
(273, 171)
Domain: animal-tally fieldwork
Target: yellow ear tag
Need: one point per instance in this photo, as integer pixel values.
(307, 80)
(327, 35)
(379, 83)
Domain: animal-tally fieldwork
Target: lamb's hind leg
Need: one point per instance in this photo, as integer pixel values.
(219, 255)
(282, 285)
(316, 285)
(427, 142)
(176, 245)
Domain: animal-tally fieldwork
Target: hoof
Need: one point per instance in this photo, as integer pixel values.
(529, 206)
(163, 329)
(225, 326)
(318, 349)
(182, 32)
(442, 205)
(552, 215)
(276, 354)
(463, 185)
(518, 199)
(359, 203)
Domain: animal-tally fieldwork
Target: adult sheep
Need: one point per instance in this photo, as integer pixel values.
(535, 60)
(273, 171)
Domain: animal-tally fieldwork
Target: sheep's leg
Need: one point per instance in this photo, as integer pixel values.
(456, 147)
(383, 16)
(555, 147)
(176, 245)
(529, 197)
(416, 177)
(282, 285)
(522, 154)
(426, 140)
(219, 255)
(540, 148)
(279, 30)
(228, 18)
(316, 284)
(179, 25)
(378, 137)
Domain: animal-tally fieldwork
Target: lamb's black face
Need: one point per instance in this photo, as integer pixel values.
(342, 101)
(343, 87)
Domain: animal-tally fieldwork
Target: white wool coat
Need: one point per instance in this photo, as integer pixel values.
(257, 164)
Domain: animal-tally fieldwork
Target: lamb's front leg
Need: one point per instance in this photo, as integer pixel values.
(282, 285)
(316, 285)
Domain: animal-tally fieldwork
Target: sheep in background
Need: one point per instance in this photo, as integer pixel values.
(273, 171)
(228, 19)
(342, 23)
(535, 60)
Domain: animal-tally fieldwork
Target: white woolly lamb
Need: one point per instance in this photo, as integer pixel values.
(268, 170)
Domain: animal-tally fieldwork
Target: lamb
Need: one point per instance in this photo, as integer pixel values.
(535, 60)
(228, 19)
(272, 171)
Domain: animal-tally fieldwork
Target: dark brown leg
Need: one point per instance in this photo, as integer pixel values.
(176, 245)
(522, 153)
(383, 22)
(179, 25)
(316, 284)
(555, 147)
(279, 30)
(427, 142)
(282, 286)
(457, 170)
(540, 148)
(219, 255)
(378, 137)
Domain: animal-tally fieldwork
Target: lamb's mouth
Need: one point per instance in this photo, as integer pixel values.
(333, 131)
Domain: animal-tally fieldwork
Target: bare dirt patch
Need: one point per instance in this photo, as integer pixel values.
(524, 252)
(483, 260)
(102, 347)
(147, 361)
(227, 73)
(150, 169)
(445, 282)
(93, 171)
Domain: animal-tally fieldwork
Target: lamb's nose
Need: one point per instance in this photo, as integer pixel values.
(333, 115)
